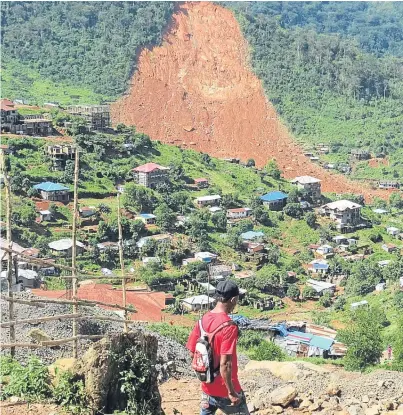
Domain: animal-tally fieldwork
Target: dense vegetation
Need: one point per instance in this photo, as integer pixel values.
(326, 88)
(89, 45)
(377, 26)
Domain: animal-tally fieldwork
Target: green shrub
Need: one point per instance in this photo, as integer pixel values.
(30, 382)
(267, 351)
(177, 333)
(70, 393)
(249, 339)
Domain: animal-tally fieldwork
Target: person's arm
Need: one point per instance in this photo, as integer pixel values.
(226, 374)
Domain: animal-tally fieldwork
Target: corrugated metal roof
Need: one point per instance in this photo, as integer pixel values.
(321, 342)
(273, 196)
(50, 187)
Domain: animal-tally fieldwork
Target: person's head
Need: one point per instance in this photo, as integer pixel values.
(227, 293)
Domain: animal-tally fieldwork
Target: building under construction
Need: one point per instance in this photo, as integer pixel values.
(59, 154)
(97, 117)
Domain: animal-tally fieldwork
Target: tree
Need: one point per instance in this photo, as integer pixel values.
(68, 174)
(165, 217)
(398, 341)
(325, 300)
(262, 216)
(273, 254)
(363, 340)
(272, 169)
(293, 196)
(310, 219)
(267, 351)
(139, 198)
(102, 208)
(308, 292)
(293, 291)
(294, 210)
(219, 220)
(396, 200)
(250, 163)
(24, 214)
(197, 228)
(363, 278)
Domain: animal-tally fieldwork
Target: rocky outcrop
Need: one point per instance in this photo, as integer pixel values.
(120, 371)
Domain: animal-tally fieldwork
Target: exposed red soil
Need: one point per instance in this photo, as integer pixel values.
(378, 162)
(197, 91)
(149, 305)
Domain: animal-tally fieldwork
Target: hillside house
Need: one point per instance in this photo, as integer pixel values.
(34, 124)
(345, 213)
(97, 117)
(311, 187)
(151, 175)
(150, 259)
(206, 288)
(206, 257)
(201, 183)
(389, 248)
(388, 184)
(321, 287)
(53, 191)
(360, 154)
(147, 218)
(239, 213)
(252, 236)
(32, 252)
(219, 270)
(63, 247)
(380, 286)
(209, 200)
(215, 209)
(87, 211)
(359, 304)
(160, 238)
(198, 302)
(325, 250)
(102, 246)
(391, 230)
(8, 114)
(27, 279)
(59, 154)
(45, 216)
(187, 261)
(253, 247)
(274, 200)
(318, 266)
(340, 239)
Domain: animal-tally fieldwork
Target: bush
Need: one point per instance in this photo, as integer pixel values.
(267, 351)
(249, 339)
(177, 333)
(70, 393)
(30, 382)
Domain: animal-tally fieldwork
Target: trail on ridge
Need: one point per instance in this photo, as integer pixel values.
(197, 91)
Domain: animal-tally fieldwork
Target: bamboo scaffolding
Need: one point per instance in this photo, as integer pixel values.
(86, 303)
(122, 263)
(39, 319)
(51, 343)
(18, 301)
(74, 254)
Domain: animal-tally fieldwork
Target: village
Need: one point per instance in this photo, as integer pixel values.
(291, 248)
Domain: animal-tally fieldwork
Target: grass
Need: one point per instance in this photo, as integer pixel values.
(20, 82)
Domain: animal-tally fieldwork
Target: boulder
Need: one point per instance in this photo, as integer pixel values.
(333, 389)
(120, 369)
(365, 399)
(372, 411)
(283, 395)
(287, 371)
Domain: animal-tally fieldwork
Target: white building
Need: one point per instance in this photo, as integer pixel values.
(64, 246)
(345, 213)
(391, 230)
(325, 250)
(210, 200)
(198, 302)
(206, 256)
(359, 304)
(239, 213)
(311, 186)
(321, 287)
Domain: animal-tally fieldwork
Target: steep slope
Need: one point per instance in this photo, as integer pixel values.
(197, 91)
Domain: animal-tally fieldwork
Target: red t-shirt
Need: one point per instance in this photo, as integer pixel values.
(224, 343)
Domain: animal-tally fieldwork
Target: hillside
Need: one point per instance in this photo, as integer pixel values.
(197, 91)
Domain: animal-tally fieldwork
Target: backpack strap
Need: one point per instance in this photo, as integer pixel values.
(219, 328)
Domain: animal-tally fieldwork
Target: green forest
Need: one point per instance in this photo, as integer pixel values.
(325, 86)
(92, 45)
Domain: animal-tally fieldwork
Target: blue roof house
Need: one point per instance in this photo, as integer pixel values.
(146, 218)
(274, 200)
(252, 236)
(53, 191)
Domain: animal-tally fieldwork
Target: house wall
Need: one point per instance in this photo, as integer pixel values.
(152, 179)
(62, 196)
(276, 204)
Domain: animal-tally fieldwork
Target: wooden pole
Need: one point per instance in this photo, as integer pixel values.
(122, 263)
(10, 254)
(39, 320)
(74, 254)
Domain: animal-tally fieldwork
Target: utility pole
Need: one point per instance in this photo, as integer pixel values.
(74, 254)
(122, 263)
(10, 255)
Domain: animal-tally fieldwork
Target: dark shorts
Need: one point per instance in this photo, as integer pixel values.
(210, 404)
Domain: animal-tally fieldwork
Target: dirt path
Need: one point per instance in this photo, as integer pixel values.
(197, 91)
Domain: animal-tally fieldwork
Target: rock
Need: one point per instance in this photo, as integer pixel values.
(353, 410)
(277, 409)
(251, 407)
(61, 365)
(101, 371)
(365, 399)
(38, 335)
(287, 371)
(333, 390)
(14, 399)
(372, 411)
(305, 403)
(314, 407)
(381, 383)
(283, 395)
